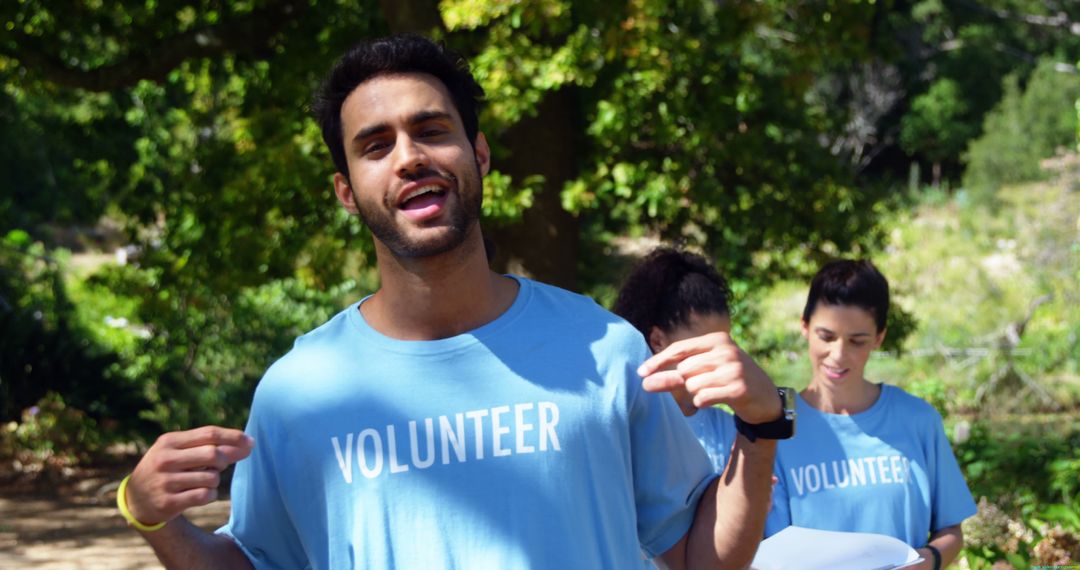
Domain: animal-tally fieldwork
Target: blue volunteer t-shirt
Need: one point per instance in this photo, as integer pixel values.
(715, 430)
(526, 443)
(887, 470)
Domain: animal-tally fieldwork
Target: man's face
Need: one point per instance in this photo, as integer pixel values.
(414, 177)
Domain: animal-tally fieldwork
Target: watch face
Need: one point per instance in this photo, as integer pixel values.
(787, 396)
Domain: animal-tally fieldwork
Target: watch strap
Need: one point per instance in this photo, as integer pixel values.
(780, 428)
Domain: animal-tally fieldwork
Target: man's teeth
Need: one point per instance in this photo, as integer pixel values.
(422, 191)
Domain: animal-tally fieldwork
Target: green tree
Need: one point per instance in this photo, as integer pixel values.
(1029, 124)
(955, 56)
(707, 123)
(935, 126)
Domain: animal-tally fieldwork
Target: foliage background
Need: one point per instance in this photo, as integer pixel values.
(772, 135)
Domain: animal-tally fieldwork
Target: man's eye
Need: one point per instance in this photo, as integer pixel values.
(428, 133)
(375, 147)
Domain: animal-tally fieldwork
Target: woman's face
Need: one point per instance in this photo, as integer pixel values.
(840, 339)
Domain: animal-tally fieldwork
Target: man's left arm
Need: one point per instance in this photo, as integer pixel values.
(730, 518)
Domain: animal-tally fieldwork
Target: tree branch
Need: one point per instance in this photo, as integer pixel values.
(248, 33)
(1060, 20)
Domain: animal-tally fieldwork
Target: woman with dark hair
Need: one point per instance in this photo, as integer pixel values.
(867, 457)
(673, 295)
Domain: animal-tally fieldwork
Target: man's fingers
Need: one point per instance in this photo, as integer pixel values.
(705, 362)
(194, 498)
(663, 381)
(715, 395)
(676, 352)
(168, 496)
(205, 447)
(233, 453)
(207, 435)
(723, 375)
(216, 457)
(182, 470)
(189, 480)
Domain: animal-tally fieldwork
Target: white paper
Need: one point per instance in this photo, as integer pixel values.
(811, 549)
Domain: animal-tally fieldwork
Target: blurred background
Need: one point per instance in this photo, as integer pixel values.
(167, 224)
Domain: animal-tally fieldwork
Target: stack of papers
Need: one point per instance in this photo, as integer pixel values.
(812, 549)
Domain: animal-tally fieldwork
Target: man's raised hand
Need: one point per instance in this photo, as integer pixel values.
(182, 470)
(714, 370)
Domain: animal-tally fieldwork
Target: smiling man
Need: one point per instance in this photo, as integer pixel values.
(458, 418)
(433, 202)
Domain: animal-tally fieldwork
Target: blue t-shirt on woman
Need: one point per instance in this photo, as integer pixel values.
(886, 470)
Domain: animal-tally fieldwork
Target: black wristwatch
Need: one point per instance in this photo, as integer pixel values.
(780, 428)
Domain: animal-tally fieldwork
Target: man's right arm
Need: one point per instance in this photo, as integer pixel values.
(181, 544)
(182, 470)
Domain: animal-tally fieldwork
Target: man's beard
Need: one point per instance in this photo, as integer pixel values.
(469, 193)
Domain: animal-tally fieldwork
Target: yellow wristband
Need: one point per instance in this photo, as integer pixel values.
(121, 503)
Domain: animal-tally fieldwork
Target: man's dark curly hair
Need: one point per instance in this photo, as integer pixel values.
(403, 53)
(667, 286)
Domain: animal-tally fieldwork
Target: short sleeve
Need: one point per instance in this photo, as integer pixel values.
(715, 430)
(951, 500)
(670, 468)
(779, 511)
(258, 521)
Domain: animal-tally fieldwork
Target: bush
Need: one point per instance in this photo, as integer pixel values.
(203, 351)
(51, 432)
(43, 347)
(1017, 463)
(1022, 518)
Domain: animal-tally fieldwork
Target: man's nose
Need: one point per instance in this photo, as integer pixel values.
(409, 156)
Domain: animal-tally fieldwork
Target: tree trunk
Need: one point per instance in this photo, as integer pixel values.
(418, 16)
(544, 245)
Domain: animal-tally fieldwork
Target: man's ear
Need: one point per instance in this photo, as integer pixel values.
(805, 329)
(658, 341)
(344, 193)
(483, 153)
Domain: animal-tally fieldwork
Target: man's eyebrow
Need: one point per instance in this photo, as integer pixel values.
(826, 330)
(416, 119)
(371, 131)
(424, 116)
